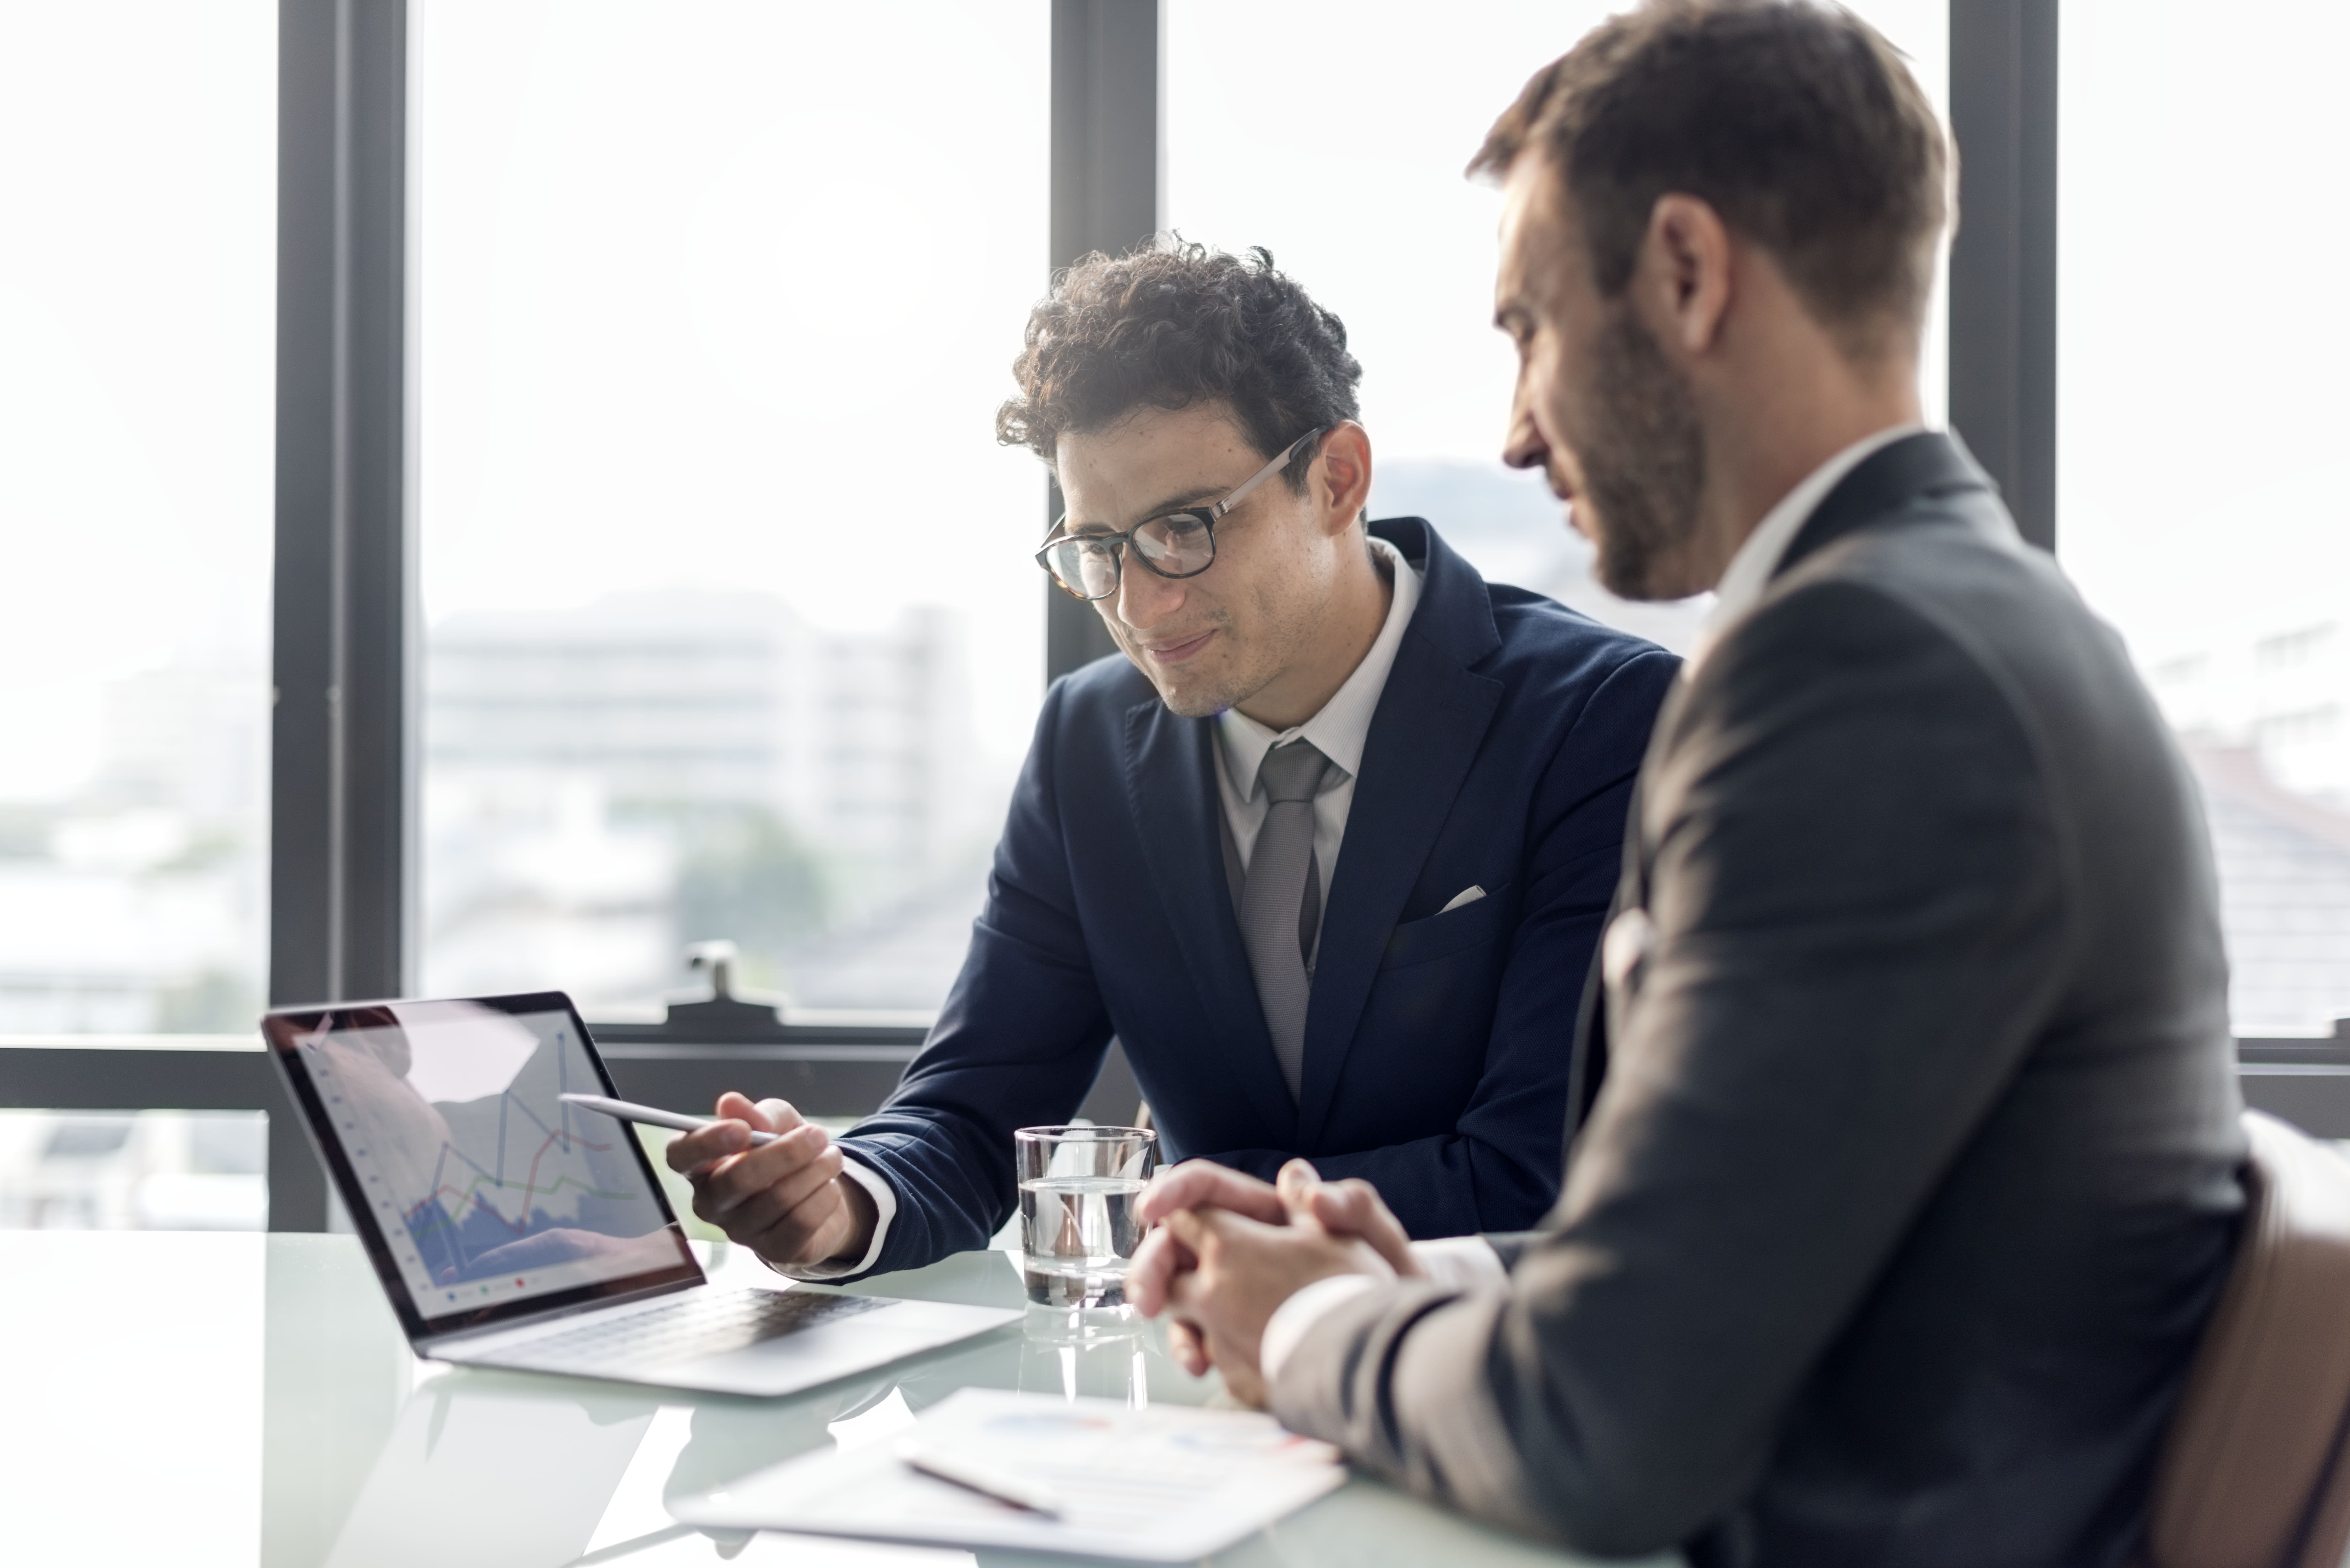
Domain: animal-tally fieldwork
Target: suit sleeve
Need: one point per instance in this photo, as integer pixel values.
(1858, 898)
(1018, 1042)
(1498, 1169)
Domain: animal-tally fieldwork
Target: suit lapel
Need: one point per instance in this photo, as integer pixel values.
(1929, 464)
(1177, 812)
(1587, 1067)
(1424, 735)
(1662, 738)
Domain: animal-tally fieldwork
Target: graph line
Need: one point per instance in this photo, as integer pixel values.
(529, 1188)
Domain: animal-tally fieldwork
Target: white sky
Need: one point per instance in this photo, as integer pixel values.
(138, 171)
(2201, 473)
(724, 295)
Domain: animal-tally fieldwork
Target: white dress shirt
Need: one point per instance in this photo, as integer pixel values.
(1456, 1262)
(885, 1209)
(1466, 1262)
(1751, 569)
(1339, 731)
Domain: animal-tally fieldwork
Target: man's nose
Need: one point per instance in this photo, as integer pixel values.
(1522, 445)
(1144, 598)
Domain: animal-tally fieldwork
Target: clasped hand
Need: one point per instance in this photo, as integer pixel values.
(1229, 1248)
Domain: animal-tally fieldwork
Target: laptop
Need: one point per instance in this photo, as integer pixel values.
(511, 1230)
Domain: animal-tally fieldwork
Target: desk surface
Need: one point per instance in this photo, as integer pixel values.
(244, 1400)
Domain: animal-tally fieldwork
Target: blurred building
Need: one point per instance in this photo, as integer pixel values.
(140, 901)
(2284, 893)
(603, 785)
(2279, 687)
(151, 1171)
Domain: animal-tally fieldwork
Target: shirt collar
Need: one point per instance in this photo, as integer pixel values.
(1343, 727)
(1757, 560)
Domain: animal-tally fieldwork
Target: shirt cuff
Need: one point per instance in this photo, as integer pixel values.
(1461, 1262)
(1456, 1262)
(885, 1209)
(1293, 1319)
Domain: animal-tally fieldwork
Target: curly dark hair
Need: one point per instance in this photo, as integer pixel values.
(1175, 323)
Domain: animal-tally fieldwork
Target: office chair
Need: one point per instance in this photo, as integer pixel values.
(2255, 1470)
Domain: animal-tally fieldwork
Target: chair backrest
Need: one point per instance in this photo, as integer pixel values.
(2255, 1472)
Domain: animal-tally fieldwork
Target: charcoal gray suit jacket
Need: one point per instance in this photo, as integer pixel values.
(1895, 1216)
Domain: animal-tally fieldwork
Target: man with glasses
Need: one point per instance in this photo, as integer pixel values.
(1327, 849)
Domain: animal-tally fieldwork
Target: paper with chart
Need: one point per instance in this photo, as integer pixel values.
(487, 1187)
(1162, 1484)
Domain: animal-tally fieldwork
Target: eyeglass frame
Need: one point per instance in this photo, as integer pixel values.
(1208, 516)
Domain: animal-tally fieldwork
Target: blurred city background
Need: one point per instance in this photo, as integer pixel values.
(728, 627)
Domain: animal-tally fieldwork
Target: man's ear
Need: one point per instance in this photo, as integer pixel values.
(1342, 475)
(1681, 279)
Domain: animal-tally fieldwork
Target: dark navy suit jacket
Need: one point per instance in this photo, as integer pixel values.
(1500, 756)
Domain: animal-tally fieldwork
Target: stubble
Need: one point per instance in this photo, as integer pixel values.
(1643, 462)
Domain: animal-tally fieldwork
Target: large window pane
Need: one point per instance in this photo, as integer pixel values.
(1338, 145)
(134, 1170)
(732, 630)
(2201, 484)
(138, 164)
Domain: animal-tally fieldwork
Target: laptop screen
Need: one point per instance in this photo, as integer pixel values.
(483, 1190)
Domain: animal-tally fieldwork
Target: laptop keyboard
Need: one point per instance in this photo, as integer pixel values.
(703, 1323)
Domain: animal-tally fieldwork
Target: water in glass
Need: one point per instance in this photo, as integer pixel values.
(1079, 1229)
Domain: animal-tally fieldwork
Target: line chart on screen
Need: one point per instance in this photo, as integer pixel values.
(466, 1158)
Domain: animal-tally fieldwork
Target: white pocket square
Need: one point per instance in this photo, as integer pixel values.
(1468, 895)
(1626, 943)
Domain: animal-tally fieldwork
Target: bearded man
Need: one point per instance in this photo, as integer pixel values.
(1910, 1170)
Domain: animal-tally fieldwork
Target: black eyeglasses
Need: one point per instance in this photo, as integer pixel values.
(1178, 545)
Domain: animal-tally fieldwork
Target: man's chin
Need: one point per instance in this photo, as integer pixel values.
(1202, 686)
(1643, 573)
(1194, 698)
(1193, 704)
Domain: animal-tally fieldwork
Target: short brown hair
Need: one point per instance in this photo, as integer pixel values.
(1172, 325)
(1795, 120)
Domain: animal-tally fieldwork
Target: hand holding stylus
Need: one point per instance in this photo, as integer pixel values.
(781, 1195)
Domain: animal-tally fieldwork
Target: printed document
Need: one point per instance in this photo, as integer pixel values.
(1165, 1484)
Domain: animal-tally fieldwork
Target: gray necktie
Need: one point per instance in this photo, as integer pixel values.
(1281, 900)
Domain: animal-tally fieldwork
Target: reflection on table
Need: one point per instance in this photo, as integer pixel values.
(244, 1399)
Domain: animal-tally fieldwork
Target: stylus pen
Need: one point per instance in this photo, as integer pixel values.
(628, 1111)
(974, 1475)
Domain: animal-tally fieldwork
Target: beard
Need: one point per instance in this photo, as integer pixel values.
(1643, 461)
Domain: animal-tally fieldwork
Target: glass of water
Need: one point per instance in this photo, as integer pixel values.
(1077, 1226)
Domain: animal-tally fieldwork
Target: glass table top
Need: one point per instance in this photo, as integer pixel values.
(241, 1400)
